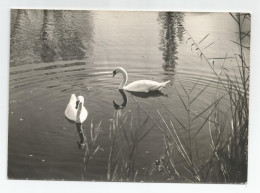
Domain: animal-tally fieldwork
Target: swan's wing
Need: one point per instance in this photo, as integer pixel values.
(83, 114)
(71, 112)
(73, 99)
(143, 86)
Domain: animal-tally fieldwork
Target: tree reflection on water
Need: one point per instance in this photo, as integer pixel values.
(50, 35)
(172, 28)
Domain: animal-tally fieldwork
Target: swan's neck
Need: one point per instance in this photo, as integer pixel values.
(125, 78)
(79, 112)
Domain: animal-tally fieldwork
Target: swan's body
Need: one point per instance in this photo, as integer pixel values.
(75, 110)
(139, 85)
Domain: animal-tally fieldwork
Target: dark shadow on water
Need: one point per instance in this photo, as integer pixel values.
(150, 94)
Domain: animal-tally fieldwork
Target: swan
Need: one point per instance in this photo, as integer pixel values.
(139, 85)
(75, 110)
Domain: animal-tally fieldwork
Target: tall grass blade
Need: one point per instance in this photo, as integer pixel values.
(183, 88)
(234, 17)
(195, 84)
(203, 38)
(174, 116)
(214, 103)
(206, 120)
(151, 117)
(124, 132)
(247, 47)
(199, 93)
(146, 133)
(181, 99)
(210, 45)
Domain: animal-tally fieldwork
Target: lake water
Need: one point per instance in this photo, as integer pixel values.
(57, 53)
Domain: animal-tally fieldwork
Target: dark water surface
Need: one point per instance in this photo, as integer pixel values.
(57, 53)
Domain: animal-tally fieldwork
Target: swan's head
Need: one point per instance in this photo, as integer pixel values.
(80, 99)
(117, 70)
(114, 73)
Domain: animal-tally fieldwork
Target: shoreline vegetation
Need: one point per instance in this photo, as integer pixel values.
(226, 160)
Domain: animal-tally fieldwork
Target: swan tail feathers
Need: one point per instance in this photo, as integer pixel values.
(163, 84)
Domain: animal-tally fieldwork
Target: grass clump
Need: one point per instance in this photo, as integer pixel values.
(228, 130)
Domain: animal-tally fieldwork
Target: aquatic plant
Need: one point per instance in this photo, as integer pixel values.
(89, 145)
(126, 131)
(228, 130)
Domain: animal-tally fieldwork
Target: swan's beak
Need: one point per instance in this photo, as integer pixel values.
(114, 73)
(77, 104)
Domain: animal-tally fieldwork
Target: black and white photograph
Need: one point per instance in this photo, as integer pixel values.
(129, 96)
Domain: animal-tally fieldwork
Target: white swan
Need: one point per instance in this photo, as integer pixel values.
(139, 85)
(75, 110)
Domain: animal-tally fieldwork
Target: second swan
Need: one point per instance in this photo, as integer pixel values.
(75, 110)
(139, 85)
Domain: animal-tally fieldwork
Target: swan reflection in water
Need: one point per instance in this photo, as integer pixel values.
(82, 138)
(123, 105)
(81, 143)
(117, 106)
